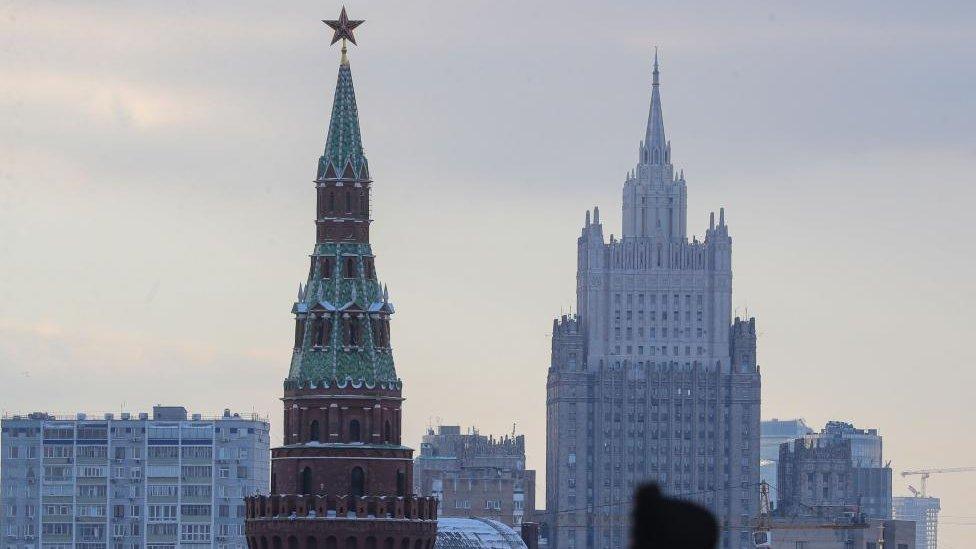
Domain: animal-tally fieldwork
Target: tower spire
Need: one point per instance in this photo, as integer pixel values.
(344, 143)
(656, 150)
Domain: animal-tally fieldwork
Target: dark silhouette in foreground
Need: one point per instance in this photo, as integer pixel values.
(661, 522)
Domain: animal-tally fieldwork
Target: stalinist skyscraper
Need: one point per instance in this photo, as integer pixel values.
(652, 379)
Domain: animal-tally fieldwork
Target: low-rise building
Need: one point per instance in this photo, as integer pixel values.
(475, 475)
(810, 533)
(130, 481)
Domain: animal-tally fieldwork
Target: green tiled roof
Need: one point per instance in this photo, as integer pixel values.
(335, 363)
(344, 143)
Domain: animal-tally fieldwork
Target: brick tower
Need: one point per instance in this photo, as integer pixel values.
(342, 479)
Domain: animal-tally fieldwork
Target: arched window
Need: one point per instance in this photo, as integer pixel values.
(313, 431)
(348, 202)
(276, 542)
(387, 432)
(350, 267)
(331, 201)
(401, 483)
(311, 543)
(331, 542)
(389, 543)
(357, 482)
(362, 203)
(274, 484)
(264, 542)
(306, 481)
(292, 542)
(352, 543)
(370, 542)
(354, 434)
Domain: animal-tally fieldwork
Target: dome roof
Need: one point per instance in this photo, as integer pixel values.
(476, 533)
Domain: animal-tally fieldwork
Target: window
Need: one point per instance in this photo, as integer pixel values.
(197, 491)
(349, 270)
(161, 513)
(326, 267)
(164, 452)
(195, 510)
(197, 471)
(354, 434)
(197, 452)
(353, 332)
(314, 431)
(194, 532)
(357, 481)
(306, 481)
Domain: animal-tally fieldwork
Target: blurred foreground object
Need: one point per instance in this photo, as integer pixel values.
(662, 522)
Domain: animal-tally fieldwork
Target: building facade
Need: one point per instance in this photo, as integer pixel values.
(342, 476)
(475, 475)
(924, 512)
(808, 533)
(652, 380)
(772, 433)
(130, 482)
(840, 469)
(871, 475)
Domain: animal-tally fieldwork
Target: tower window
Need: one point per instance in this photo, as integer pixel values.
(299, 332)
(401, 483)
(354, 434)
(306, 481)
(313, 432)
(318, 332)
(326, 267)
(357, 482)
(353, 332)
(331, 201)
(348, 202)
(369, 267)
(387, 432)
(349, 270)
(325, 332)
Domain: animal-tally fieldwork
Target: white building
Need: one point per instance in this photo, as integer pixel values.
(653, 380)
(129, 482)
(924, 512)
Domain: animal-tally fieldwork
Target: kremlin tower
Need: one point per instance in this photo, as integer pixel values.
(342, 478)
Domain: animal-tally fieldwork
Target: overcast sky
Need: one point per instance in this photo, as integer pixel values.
(156, 198)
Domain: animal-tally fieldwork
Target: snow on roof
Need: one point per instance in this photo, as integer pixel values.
(476, 533)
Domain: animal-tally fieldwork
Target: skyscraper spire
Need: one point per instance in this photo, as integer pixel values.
(655, 143)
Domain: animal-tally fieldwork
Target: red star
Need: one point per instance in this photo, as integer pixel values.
(343, 27)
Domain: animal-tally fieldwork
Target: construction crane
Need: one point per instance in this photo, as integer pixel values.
(925, 473)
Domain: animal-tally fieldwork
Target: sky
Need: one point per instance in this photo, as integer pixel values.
(156, 199)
